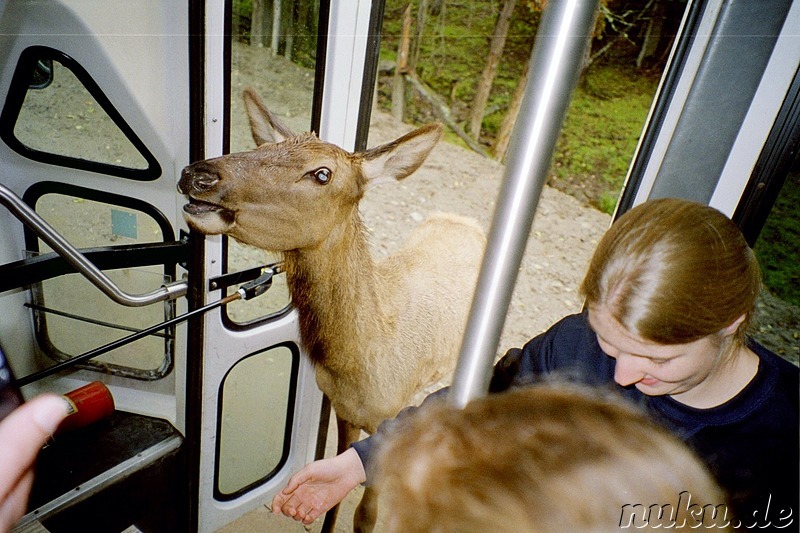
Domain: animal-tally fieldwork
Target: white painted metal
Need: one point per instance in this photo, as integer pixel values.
(152, 96)
(761, 116)
(344, 71)
(692, 65)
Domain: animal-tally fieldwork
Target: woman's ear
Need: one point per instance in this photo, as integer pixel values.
(734, 326)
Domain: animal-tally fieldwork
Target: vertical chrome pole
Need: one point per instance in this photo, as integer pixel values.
(554, 70)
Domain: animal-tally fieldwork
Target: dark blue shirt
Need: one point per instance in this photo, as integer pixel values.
(750, 443)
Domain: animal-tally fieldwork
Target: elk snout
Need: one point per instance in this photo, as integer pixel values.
(197, 179)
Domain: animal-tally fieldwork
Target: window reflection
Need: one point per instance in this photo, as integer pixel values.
(273, 49)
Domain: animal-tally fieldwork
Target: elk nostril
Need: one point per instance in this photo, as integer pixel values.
(198, 178)
(204, 182)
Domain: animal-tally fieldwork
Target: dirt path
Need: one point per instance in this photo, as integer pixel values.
(457, 180)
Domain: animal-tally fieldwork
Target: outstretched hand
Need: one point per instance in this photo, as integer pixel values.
(22, 435)
(319, 486)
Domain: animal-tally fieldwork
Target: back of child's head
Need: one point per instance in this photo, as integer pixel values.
(537, 459)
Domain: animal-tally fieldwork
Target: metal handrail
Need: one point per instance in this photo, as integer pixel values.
(63, 248)
(554, 70)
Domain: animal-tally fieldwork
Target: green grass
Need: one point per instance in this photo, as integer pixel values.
(777, 248)
(601, 131)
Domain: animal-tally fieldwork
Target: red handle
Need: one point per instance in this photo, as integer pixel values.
(90, 403)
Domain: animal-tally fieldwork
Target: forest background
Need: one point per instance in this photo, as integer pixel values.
(464, 62)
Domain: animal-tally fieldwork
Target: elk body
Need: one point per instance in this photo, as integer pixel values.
(377, 330)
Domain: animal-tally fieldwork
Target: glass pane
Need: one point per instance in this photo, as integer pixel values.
(76, 317)
(280, 66)
(79, 318)
(254, 407)
(60, 117)
(777, 324)
(242, 257)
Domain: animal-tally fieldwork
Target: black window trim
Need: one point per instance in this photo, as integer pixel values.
(23, 74)
(772, 167)
(39, 189)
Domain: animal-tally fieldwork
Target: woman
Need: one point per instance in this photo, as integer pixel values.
(669, 293)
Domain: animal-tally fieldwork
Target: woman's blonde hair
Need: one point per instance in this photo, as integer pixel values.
(540, 459)
(673, 271)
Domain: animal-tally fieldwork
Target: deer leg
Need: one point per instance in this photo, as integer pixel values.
(366, 512)
(346, 434)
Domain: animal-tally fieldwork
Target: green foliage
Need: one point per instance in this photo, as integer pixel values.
(601, 130)
(603, 124)
(777, 249)
(454, 45)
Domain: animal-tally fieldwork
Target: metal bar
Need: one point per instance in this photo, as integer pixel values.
(87, 320)
(71, 254)
(50, 265)
(554, 70)
(247, 291)
(91, 354)
(240, 276)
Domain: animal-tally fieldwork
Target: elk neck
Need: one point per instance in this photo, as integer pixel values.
(335, 288)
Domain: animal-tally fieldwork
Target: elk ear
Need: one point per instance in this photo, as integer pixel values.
(398, 159)
(264, 126)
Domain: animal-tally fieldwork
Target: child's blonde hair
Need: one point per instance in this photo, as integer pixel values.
(538, 459)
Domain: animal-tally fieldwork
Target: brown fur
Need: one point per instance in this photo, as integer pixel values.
(378, 331)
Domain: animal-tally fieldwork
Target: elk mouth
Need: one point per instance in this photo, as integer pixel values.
(207, 217)
(200, 208)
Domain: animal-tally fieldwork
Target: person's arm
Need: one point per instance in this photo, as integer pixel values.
(318, 486)
(22, 435)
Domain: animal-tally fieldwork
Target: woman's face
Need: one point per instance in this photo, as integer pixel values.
(683, 371)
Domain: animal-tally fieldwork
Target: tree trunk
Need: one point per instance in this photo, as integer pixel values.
(276, 26)
(422, 17)
(257, 21)
(490, 69)
(652, 36)
(504, 135)
(442, 111)
(398, 84)
(289, 31)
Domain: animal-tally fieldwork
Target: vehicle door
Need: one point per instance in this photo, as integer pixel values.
(102, 107)
(250, 352)
(724, 130)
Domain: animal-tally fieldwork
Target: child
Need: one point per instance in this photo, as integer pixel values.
(542, 458)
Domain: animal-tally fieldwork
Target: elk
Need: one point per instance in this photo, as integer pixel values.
(378, 331)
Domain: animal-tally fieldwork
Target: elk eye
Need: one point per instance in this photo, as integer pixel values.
(322, 175)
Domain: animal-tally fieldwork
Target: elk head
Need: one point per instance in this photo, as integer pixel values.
(293, 190)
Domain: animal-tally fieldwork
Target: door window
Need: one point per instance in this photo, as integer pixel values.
(256, 405)
(55, 113)
(280, 66)
(71, 315)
